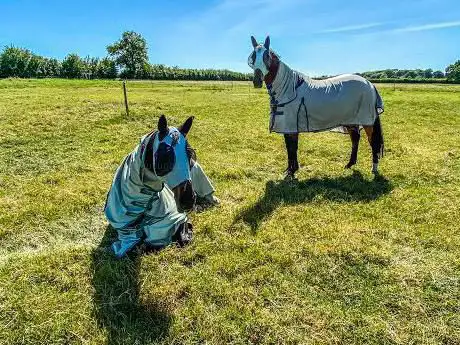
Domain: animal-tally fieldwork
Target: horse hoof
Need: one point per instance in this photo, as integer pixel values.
(290, 177)
(375, 168)
(349, 165)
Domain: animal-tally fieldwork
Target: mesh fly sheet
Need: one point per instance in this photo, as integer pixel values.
(301, 104)
(140, 206)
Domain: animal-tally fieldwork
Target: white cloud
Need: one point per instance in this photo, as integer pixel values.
(351, 28)
(433, 26)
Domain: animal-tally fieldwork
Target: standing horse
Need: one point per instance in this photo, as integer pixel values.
(345, 103)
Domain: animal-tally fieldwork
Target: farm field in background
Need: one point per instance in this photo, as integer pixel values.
(337, 257)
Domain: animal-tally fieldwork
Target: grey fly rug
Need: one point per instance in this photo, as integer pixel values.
(301, 104)
(140, 206)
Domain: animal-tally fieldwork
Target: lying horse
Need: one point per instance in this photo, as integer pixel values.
(153, 189)
(345, 103)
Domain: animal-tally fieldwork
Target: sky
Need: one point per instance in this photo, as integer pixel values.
(317, 37)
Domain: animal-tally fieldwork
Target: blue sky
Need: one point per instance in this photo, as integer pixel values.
(314, 36)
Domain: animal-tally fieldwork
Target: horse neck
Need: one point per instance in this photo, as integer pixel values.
(272, 71)
(282, 80)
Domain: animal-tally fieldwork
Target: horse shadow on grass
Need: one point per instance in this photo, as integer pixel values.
(337, 189)
(116, 298)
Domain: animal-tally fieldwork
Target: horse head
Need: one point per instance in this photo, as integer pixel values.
(167, 156)
(263, 61)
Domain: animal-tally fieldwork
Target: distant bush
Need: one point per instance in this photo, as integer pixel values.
(162, 72)
(453, 72)
(409, 80)
(403, 74)
(452, 75)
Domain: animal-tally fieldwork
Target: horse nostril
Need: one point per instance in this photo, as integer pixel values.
(185, 197)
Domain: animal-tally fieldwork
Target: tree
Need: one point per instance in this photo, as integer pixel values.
(91, 67)
(438, 74)
(72, 66)
(428, 73)
(390, 73)
(419, 73)
(130, 54)
(453, 72)
(400, 73)
(147, 71)
(35, 67)
(411, 74)
(53, 68)
(106, 69)
(14, 62)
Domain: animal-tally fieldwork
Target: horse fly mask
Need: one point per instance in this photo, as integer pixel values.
(169, 157)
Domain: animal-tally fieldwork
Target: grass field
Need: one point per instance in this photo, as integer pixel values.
(336, 258)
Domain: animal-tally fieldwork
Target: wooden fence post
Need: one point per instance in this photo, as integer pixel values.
(126, 98)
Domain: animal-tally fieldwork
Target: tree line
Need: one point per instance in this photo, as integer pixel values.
(451, 75)
(22, 63)
(128, 58)
(404, 74)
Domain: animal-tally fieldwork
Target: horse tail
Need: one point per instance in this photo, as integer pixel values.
(377, 134)
(379, 105)
(377, 142)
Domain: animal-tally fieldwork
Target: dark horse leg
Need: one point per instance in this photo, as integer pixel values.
(292, 144)
(354, 136)
(375, 137)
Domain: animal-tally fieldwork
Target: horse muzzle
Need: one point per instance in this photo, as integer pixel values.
(258, 78)
(185, 196)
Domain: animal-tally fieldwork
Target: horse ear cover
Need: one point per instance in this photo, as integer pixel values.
(267, 43)
(185, 128)
(163, 126)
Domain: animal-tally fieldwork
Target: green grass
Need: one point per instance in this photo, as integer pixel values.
(336, 258)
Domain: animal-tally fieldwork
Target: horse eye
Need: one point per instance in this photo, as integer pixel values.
(253, 57)
(266, 57)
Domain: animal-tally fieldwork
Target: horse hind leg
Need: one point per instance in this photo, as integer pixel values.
(354, 136)
(375, 150)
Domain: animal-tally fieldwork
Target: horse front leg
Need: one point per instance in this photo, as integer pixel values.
(354, 136)
(292, 145)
